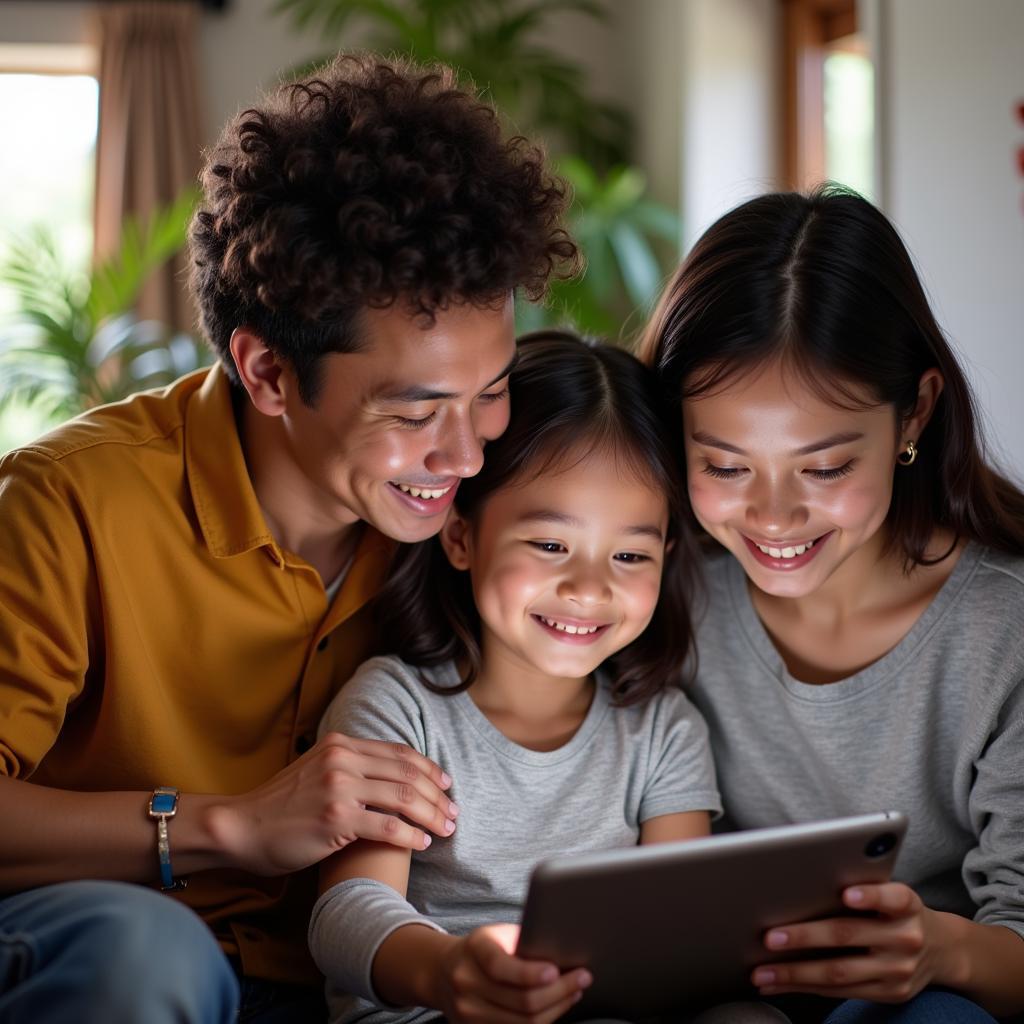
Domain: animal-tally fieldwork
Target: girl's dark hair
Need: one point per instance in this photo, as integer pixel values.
(373, 182)
(565, 393)
(823, 283)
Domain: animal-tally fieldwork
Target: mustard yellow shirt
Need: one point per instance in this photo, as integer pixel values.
(152, 632)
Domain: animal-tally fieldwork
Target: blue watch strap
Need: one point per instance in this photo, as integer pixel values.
(163, 805)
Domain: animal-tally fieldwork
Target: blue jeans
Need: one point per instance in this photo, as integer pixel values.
(932, 1006)
(109, 953)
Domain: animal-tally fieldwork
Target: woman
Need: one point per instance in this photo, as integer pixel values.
(862, 644)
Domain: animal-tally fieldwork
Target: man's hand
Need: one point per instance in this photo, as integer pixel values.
(899, 950)
(322, 802)
(483, 982)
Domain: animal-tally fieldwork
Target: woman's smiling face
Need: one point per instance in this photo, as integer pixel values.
(792, 485)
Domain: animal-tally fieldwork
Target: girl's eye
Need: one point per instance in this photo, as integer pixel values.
(832, 474)
(723, 472)
(552, 547)
(632, 557)
(494, 396)
(414, 424)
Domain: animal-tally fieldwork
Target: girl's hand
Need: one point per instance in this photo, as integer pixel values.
(894, 954)
(483, 982)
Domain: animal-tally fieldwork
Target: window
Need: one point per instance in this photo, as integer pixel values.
(48, 115)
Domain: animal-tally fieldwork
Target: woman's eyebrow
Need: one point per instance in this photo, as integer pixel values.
(832, 441)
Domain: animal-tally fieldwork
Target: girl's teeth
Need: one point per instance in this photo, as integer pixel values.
(424, 492)
(563, 628)
(786, 552)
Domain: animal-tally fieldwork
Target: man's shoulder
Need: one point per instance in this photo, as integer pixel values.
(136, 423)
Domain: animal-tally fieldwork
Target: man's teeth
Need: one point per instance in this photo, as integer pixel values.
(565, 628)
(424, 492)
(786, 552)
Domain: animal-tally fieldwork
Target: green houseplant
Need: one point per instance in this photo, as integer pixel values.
(73, 341)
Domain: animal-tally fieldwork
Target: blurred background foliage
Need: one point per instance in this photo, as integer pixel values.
(72, 341)
(629, 241)
(69, 338)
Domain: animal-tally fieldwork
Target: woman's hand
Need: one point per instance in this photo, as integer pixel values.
(322, 802)
(893, 954)
(483, 982)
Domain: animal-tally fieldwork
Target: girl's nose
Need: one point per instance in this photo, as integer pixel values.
(586, 588)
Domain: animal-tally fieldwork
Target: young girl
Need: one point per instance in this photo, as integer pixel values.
(863, 643)
(533, 654)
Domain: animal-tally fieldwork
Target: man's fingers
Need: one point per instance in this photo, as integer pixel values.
(402, 798)
(386, 828)
(380, 750)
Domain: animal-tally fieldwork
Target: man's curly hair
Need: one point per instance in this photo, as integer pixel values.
(374, 182)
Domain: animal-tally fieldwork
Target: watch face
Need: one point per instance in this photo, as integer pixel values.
(162, 803)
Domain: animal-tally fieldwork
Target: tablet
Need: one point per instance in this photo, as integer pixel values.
(681, 924)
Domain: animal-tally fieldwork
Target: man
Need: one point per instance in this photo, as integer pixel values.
(184, 577)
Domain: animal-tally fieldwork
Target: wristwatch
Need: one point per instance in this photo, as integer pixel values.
(163, 804)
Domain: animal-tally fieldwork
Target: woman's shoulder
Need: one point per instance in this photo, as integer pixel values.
(994, 592)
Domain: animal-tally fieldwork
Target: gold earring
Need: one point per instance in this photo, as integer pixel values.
(908, 455)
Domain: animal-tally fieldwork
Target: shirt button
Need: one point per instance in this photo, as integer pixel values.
(303, 743)
(322, 646)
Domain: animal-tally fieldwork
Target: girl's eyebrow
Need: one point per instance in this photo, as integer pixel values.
(832, 441)
(543, 515)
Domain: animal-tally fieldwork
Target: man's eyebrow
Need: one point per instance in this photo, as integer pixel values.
(543, 515)
(417, 393)
(832, 441)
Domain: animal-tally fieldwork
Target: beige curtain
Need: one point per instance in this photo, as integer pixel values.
(148, 147)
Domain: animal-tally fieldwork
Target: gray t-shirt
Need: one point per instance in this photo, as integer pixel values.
(935, 729)
(517, 806)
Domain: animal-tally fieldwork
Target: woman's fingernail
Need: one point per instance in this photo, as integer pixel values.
(762, 976)
(584, 979)
(449, 826)
(855, 895)
(549, 974)
(453, 809)
(426, 840)
(775, 940)
(446, 780)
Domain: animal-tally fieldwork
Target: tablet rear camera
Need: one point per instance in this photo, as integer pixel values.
(880, 845)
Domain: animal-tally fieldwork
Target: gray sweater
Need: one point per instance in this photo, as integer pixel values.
(518, 806)
(935, 729)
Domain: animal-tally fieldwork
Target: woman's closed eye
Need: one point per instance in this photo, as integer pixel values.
(832, 474)
(723, 472)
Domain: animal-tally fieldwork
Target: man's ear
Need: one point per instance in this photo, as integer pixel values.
(456, 539)
(260, 371)
(929, 389)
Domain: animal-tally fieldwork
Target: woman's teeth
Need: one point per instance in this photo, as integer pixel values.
(785, 552)
(424, 492)
(564, 628)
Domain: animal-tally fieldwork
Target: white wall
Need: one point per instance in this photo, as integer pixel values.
(953, 75)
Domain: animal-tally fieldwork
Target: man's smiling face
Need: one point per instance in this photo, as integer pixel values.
(398, 424)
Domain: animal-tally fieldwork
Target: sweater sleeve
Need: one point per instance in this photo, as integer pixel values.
(994, 870)
(348, 925)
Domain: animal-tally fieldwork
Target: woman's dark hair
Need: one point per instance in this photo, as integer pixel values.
(374, 182)
(823, 283)
(569, 398)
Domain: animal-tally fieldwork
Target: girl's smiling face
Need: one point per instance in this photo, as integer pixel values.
(566, 568)
(794, 486)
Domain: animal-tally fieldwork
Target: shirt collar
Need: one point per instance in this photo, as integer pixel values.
(226, 506)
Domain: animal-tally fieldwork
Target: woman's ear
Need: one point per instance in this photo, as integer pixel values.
(929, 389)
(456, 539)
